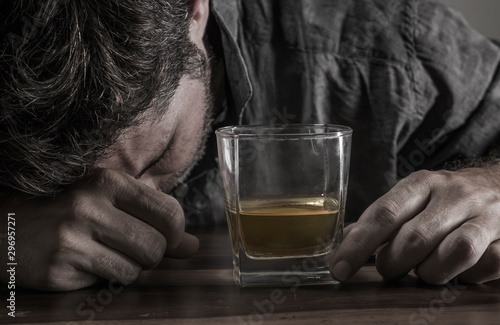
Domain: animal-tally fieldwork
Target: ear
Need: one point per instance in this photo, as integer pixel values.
(200, 10)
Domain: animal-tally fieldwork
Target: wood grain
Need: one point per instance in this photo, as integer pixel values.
(200, 290)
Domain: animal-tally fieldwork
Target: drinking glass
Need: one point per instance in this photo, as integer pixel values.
(285, 192)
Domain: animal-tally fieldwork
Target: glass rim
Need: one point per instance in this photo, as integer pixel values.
(235, 131)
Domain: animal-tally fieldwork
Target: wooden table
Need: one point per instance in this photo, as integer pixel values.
(200, 290)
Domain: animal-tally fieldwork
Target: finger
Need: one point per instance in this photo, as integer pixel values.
(61, 279)
(108, 264)
(347, 229)
(378, 223)
(188, 246)
(149, 205)
(419, 236)
(487, 268)
(458, 252)
(128, 235)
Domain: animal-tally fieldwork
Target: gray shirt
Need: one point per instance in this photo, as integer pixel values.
(417, 85)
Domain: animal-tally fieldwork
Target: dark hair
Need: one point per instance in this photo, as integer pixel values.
(74, 73)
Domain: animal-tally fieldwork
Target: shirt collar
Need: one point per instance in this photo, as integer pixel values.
(226, 14)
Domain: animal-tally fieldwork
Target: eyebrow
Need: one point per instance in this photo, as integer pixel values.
(154, 161)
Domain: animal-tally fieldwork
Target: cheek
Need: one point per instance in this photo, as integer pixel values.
(181, 154)
(186, 143)
(191, 127)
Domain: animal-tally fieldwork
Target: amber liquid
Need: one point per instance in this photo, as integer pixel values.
(288, 227)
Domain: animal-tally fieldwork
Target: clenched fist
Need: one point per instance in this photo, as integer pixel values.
(108, 225)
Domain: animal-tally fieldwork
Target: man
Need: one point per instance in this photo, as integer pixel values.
(106, 105)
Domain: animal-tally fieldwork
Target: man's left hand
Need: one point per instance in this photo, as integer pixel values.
(442, 224)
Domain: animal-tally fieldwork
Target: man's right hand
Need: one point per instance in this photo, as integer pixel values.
(107, 226)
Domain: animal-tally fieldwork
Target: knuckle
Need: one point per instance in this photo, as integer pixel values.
(360, 240)
(64, 243)
(58, 274)
(104, 174)
(107, 179)
(491, 212)
(462, 191)
(431, 178)
(493, 257)
(129, 274)
(465, 246)
(423, 176)
(416, 238)
(51, 277)
(387, 213)
(58, 278)
(125, 271)
(79, 205)
(174, 213)
(64, 247)
(154, 250)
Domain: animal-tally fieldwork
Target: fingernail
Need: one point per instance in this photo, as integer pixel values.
(341, 271)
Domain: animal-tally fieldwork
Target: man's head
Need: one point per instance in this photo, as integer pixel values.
(82, 81)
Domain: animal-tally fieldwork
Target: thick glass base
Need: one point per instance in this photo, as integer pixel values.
(282, 272)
